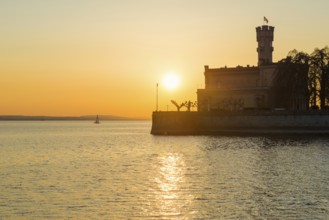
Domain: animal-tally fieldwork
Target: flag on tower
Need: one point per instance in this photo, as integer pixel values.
(265, 20)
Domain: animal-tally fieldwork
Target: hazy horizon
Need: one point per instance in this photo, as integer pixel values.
(82, 117)
(105, 57)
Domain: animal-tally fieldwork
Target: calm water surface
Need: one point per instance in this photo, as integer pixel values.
(117, 170)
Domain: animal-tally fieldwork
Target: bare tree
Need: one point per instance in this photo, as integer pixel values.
(291, 81)
(319, 61)
(189, 104)
(177, 105)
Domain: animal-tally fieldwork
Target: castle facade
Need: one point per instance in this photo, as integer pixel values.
(241, 88)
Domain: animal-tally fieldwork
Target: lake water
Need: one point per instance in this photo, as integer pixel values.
(117, 170)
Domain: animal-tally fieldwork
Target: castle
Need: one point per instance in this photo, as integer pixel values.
(228, 91)
(242, 88)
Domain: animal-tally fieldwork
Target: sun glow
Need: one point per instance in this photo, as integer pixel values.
(171, 81)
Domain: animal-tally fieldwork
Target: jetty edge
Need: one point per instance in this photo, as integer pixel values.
(240, 123)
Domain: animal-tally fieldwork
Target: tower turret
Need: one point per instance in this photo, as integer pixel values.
(265, 36)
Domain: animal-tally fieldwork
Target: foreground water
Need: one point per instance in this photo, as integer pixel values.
(117, 170)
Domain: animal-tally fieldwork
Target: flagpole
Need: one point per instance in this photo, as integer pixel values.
(157, 96)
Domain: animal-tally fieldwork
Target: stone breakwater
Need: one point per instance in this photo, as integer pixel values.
(243, 123)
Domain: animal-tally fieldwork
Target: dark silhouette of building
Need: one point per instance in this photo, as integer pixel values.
(241, 87)
(265, 37)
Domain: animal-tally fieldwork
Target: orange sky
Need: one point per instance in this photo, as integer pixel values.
(83, 57)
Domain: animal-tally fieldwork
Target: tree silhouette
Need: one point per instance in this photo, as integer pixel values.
(319, 61)
(188, 104)
(291, 81)
(304, 77)
(177, 105)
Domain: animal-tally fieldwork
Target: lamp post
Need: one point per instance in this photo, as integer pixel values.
(157, 96)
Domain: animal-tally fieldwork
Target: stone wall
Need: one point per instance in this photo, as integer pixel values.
(209, 123)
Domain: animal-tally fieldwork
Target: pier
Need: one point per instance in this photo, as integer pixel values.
(239, 123)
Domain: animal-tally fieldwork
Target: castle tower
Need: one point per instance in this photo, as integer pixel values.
(265, 48)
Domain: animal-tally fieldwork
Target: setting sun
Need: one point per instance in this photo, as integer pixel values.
(171, 81)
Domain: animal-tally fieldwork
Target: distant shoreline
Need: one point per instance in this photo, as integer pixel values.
(67, 118)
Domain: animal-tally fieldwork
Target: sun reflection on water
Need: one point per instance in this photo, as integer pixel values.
(171, 198)
(171, 173)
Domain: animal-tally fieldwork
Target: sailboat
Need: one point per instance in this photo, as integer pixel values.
(97, 120)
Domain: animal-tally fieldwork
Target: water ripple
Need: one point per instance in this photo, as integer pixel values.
(117, 170)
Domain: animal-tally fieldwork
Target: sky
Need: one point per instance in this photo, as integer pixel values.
(88, 57)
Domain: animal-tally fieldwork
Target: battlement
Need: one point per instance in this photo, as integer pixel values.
(264, 28)
(226, 69)
(265, 32)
